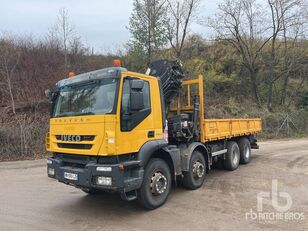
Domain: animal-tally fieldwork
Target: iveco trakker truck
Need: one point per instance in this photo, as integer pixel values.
(138, 134)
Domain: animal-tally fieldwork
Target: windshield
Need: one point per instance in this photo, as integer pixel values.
(93, 98)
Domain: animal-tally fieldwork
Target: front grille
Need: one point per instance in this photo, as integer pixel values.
(76, 161)
(75, 146)
(82, 138)
(74, 165)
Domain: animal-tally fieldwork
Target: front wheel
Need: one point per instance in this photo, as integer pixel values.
(156, 184)
(195, 176)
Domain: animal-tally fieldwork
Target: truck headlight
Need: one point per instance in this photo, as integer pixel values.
(103, 180)
(103, 169)
(51, 171)
(49, 161)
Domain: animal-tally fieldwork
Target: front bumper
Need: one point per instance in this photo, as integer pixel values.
(126, 178)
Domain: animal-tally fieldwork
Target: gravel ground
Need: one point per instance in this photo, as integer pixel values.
(227, 201)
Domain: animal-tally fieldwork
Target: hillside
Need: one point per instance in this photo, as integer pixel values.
(35, 67)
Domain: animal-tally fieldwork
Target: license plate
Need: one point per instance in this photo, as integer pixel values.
(70, 176)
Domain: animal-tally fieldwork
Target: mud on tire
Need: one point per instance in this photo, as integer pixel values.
(195, 177)
(232, 157)
(245, 150)
(156, 184)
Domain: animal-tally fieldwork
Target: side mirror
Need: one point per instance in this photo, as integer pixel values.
(136, 101)
(48, 93)
(136, 84)
(136, 95)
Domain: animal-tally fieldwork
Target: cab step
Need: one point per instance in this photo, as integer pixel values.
(129, 196)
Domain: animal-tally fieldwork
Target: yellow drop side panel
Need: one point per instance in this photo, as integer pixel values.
(218, 129)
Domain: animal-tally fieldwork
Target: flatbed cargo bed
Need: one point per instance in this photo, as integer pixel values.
(218, 129)
(213, 129)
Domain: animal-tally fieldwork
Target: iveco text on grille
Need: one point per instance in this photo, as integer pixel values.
(74, 138)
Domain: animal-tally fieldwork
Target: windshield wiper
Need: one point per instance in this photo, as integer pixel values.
(64, 115)
(73, 114)
(84, 113)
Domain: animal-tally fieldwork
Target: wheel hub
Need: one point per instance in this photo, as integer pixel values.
(247, 152)
(158, 183)
(198, 170)
(235, 158)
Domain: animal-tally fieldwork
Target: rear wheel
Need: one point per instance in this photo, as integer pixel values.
(195, 177)
(245, 150)
(232, 158)
(156, 184)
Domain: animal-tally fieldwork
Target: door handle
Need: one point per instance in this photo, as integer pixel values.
(151, 134)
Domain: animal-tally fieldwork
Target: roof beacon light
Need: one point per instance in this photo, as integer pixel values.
(117, 63)
(71, 74)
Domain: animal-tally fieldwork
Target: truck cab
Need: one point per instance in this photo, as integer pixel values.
(108, 112)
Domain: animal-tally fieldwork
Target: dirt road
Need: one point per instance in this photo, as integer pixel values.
(227, 201)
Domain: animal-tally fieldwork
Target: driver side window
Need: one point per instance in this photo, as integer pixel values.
(129, 119)
(125, 106)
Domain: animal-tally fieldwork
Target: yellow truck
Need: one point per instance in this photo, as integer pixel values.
(112, 130)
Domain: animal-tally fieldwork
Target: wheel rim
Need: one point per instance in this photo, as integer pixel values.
(235, 158)
(247, 153)
(158, 184)
(198, 170)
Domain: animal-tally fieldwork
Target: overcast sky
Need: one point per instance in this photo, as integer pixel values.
(100, 23)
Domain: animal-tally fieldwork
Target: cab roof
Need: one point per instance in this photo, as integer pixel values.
(136, 74)
(92, 75)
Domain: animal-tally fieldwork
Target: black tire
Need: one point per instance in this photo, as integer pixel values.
(156, 184)
(232, 160)
(195, 177)
(92, 191)
(245, 150)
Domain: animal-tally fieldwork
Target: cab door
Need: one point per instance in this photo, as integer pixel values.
(136, 115)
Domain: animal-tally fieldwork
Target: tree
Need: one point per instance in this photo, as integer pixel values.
(9, 58)
(65, 33)
(148, 26)
(181, 12)
(293, 22)
(282, 17)
(241, 24)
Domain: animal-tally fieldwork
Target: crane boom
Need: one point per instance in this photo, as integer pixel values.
(171, 76)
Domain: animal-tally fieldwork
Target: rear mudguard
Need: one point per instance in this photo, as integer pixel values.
(186, 153)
